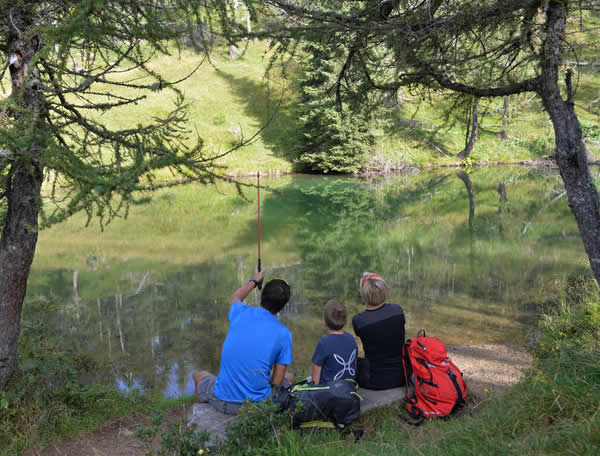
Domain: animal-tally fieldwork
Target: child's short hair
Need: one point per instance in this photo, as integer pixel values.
(373, 289)
(334, 315)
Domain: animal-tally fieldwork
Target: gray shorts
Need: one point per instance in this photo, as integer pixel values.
(206, 393)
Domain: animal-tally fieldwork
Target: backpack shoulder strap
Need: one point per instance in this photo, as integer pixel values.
(406, 365)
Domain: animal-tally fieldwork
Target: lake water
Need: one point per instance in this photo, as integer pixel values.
(470, 257)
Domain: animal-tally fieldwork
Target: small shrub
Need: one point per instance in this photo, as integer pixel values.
(590, 130)
(541, 147)
(467, 164)
(258, 430)
(199, 38)
(178, 439)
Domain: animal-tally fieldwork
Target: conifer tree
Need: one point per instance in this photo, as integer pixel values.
(337, 135)
(70, 61)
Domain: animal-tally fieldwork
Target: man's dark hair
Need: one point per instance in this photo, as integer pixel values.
(334, 315)
(275, 295)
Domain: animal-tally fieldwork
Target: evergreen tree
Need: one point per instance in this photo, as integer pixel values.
(337, 135)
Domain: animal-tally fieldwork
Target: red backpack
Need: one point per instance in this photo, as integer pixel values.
(439, 386)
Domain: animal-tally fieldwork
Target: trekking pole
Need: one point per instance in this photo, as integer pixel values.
(258, 191)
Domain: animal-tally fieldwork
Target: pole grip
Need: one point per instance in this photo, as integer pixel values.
(258, 199)
(259, 286)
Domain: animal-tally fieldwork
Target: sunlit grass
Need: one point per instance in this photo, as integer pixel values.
(231, 100)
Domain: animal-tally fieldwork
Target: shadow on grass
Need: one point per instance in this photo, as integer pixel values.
(420, 131)
(283, 134)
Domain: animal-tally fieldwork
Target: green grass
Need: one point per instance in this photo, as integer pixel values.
(229, 101)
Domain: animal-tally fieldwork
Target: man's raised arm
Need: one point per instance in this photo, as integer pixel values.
(241, 293)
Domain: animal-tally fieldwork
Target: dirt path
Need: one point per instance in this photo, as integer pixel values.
(490, 367)
(115, 439)
(486, 368)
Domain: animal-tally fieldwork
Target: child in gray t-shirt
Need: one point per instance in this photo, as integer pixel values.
(335, 354)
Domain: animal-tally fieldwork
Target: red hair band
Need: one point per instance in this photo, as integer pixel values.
(368, 277)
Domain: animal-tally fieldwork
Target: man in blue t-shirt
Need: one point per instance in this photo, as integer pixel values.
(256, 351)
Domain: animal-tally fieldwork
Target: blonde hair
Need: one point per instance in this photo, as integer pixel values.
(373, 289)
(334, 315)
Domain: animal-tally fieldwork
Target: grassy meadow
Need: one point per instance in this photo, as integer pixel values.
(231, 100)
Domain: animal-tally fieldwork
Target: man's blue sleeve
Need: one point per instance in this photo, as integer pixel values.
(285, 355)
(235, 309)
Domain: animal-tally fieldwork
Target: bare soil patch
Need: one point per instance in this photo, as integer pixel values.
(115, 439)
(487, 369)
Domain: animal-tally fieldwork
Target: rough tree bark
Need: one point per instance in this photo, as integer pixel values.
(570, 150)
(19, 236)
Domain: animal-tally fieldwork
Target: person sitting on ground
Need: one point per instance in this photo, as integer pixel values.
(381, 330)
(335, 354)
(255, 354)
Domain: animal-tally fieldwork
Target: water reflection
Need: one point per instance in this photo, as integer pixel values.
(468, 256)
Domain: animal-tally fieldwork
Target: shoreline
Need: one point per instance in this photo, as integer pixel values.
(411, 168)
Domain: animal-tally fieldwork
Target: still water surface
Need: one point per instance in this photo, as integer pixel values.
(469, 257)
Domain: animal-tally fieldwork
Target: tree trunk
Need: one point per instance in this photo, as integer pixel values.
(19, 233)
(581, 191)
(474, 125)
(505, 118)
(17, 247)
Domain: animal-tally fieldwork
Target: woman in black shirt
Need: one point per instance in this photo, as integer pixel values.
(381, 330)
